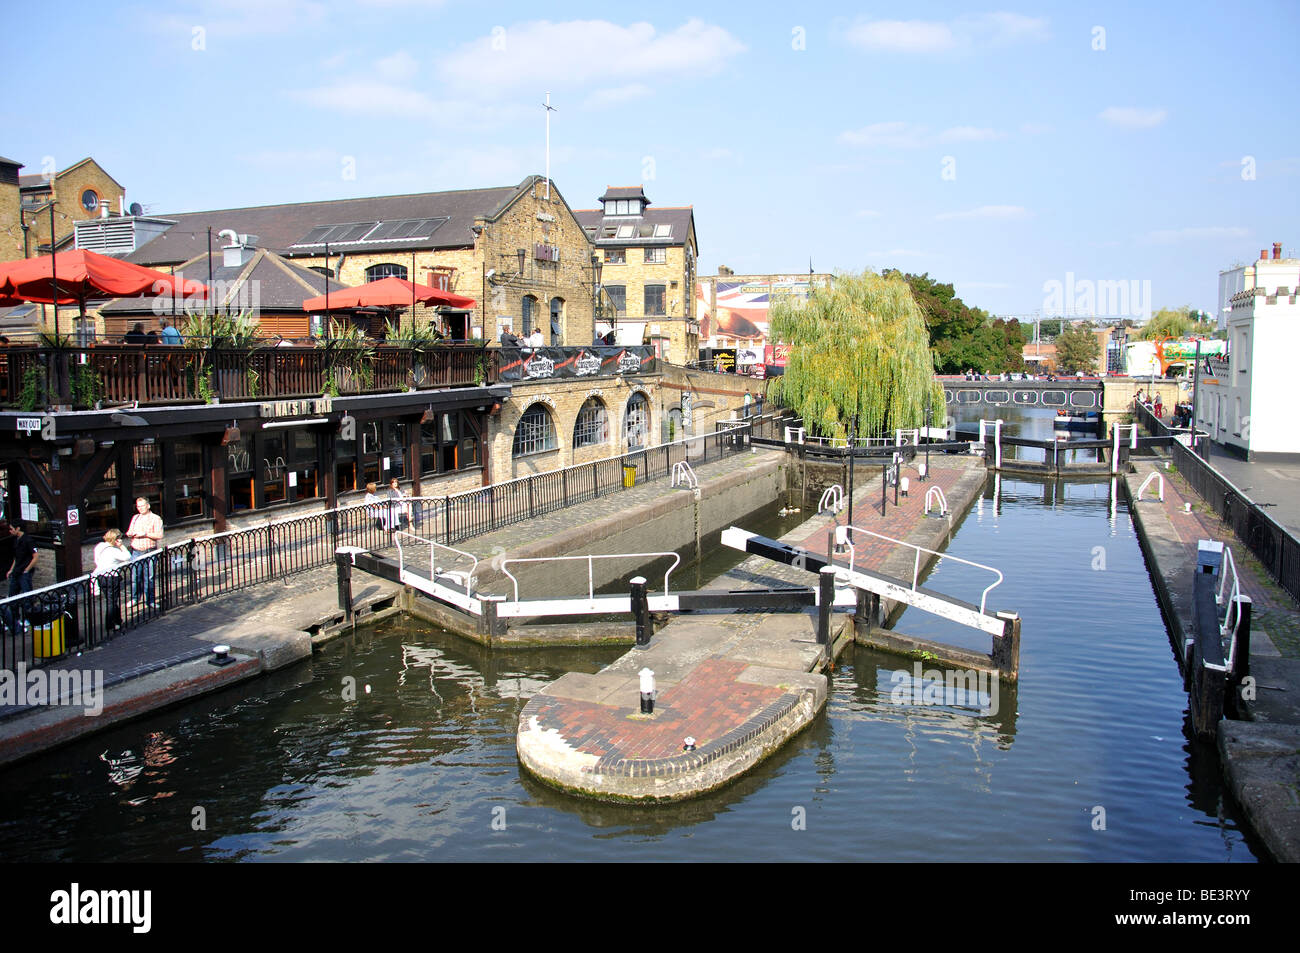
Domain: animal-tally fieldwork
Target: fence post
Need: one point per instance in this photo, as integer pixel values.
(825, 603)
(343, 565)
(1006, 647)
(564, 485)
(270, 550)
(595, 482)
(446, 520)
(530, 497)
(640, 611)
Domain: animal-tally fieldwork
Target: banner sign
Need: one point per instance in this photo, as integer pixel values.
(776, 355)
(546, 363)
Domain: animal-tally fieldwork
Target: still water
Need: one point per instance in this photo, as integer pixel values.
(1088, 758)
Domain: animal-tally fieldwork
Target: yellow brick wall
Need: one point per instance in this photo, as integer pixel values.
(68, 187)
(11, 232)
(676, 325)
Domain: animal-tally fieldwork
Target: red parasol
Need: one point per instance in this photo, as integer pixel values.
(387, 293)
(73, 277)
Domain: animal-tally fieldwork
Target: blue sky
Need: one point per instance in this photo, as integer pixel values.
(996, 147)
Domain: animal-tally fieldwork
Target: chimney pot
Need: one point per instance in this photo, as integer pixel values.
(1263, 254)
(1277, 250)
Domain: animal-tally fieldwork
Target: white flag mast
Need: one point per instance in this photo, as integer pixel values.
(549, 109)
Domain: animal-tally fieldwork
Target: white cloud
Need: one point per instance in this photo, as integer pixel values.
(398, 68)
(372, 98)
(616, 95)
(981, 30)
(1169, 236)
(986, 212)
(1132, 117)
(590, 51)
(908, 135)
(968, 134)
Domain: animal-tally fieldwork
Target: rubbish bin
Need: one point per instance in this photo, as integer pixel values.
(48, 639)
(629, 475)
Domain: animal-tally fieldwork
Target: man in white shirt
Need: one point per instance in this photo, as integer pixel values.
(145, 534)
(535, 339)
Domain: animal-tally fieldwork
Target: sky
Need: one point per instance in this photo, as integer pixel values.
(1018, 152)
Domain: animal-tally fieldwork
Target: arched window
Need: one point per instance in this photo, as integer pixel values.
(638, 421)
(535, 432)
(386, 270)
(592, 426)
(557, 321)
(529, 314)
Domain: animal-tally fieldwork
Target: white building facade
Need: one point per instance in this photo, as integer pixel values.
(1244, 402)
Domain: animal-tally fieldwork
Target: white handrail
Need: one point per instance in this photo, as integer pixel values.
(935, 490)
(434, 569)
(842, 531)
(832, 499)
(1160, 487)
(1233, 611)
(591, 587)
(683, 474)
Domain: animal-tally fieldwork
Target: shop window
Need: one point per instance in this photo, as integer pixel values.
(186, 481)
(304, 480)
(274, 470)
(535, 432)
(148, 483)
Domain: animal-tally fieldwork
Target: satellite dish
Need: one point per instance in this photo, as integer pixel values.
(136, 208)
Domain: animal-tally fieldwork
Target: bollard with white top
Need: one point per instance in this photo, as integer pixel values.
(647, 691)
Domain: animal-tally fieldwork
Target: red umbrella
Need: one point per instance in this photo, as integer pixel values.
(387, 293)
(72, 277)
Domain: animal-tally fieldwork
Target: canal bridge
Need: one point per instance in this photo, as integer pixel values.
(1084, 394)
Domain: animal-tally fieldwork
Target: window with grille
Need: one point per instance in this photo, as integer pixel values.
(592, 426)
(638, 421)
(618, 295)
(535, 432)
(656, 256)
(386, 270)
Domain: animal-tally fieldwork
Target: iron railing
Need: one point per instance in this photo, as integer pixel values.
(40, 626)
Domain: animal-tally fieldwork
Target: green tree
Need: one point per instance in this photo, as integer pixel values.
(859, 347)
(1077, 350)
(962, 336)
(1167, 323)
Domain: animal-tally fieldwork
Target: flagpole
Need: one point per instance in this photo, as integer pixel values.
(549, 109)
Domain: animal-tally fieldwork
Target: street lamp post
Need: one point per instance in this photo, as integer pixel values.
(596, 265)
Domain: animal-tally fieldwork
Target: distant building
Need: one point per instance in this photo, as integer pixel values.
(1244, 402)
(648, 268)
(81, 191)
(734, 309)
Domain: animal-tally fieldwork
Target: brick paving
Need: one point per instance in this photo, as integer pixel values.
(749, 670)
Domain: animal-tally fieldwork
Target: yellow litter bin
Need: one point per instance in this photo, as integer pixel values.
(629, 475)
(48, 639)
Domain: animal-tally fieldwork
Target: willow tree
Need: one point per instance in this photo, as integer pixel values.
(859, 347)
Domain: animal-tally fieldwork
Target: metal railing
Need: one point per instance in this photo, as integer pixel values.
(202, 567)
(842, 534)
(590, 559)
(1276, 548)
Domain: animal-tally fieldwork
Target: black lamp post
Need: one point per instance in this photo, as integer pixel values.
(597, 263)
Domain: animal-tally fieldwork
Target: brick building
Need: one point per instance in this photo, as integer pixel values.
(649, 257)
(11, 233)
(83, 190)
(517, 250)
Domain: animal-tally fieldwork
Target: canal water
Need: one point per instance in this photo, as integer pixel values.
(1088, 758)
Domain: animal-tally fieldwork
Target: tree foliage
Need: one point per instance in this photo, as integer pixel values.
(1177, 323)
(963, 337)
(1077, 350)
(859, 347)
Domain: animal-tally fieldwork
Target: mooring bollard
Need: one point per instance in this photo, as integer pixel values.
(825, 603)
(640, 611)
(343, 562)
(647, 691)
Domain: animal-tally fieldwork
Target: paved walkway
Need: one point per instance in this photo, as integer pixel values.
(1273, 486)
(738, 683)
(1259, 756)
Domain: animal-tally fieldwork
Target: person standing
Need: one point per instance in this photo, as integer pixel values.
(20, 573)
(110, 555)
(169, 333)
(6, 547)
(535, 339)
(136, 335)
(375, 510)
(748, 403)
(145, 533)
(399, 511)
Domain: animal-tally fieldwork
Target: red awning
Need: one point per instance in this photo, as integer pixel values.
(80, 275)
(387, 293)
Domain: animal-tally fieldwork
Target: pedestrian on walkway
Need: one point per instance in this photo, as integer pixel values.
(1159, 408)
(20, 573)
(748, 403)
(6, 548)
(145, 533)
(399, 511)
(110, 556)
(377, 512)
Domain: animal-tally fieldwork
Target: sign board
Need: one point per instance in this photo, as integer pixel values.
(308, 407)
(28, 424)
(74, 517)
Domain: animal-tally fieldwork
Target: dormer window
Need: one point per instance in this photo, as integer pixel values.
(623, 207)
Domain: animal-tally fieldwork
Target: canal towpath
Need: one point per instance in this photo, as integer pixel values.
(1260, 756)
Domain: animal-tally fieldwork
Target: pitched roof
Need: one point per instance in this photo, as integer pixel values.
(32, 181)
(624, 192)
(440, 219)
(679, 220)
(4, 161)
(281, 285)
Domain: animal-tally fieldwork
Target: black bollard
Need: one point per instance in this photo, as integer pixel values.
(640, 611)
(825, 603)
(343, 562)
